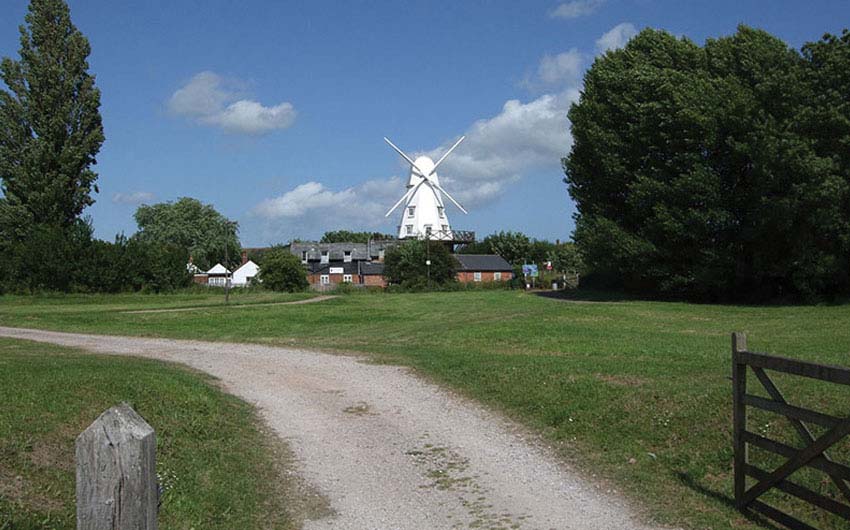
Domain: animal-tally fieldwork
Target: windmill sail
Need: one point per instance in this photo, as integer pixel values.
(424, 213)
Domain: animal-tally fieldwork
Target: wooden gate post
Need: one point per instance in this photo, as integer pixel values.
(739, 416)
(116, 473)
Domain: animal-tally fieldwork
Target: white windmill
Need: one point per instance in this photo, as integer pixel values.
(424, 213)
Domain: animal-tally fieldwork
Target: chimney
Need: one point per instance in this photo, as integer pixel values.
(244, 256)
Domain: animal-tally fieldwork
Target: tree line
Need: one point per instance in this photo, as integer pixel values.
(715, 172)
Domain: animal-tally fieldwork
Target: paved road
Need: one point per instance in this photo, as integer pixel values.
(389, 450)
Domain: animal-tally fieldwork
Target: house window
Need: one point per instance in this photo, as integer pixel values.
(346, 278)
(346, 256)
(324, 279)
(410, 210)
(441, 210)
(497, 276)
(408, 229)
(476, 276)
(303, 256)
(325, 256)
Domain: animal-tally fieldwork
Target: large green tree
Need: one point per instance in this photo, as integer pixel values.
(208, 236)
(697, 171)
(50, 125)
(50, 133)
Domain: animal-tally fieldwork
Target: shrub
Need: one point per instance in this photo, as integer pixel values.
(282, 271)
(406, 265)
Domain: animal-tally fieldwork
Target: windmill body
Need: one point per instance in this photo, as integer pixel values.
(424, 213)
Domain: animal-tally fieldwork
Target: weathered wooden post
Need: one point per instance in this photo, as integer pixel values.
(116, 473)
(739, 416)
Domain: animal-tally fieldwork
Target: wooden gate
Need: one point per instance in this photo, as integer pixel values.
(814, 452)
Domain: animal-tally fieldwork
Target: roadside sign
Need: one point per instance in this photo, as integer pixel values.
(530, 270)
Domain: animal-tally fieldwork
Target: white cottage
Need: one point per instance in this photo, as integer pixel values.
(217, 276)
(245, 274)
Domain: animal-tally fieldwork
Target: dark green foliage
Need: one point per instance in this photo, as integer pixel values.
(54, 259)
(50, 133)
(47, 258)
(205, 234)
(282, 271)
(406, 265)
(346, 236)
(706, 171)
(565, 258)
(50, 125)
(515, 247)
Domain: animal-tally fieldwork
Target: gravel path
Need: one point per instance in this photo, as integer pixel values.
(389, 450)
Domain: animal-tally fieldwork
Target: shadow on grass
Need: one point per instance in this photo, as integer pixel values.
(726, 500)
(589, 295)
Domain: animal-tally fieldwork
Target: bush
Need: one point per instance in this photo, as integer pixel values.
(406, 265)
(282, 271)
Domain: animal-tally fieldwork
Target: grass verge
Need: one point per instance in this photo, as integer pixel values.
(217, 465)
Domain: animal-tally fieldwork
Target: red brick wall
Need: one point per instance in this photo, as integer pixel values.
(469, 276)
(374, 280)
(316, 279)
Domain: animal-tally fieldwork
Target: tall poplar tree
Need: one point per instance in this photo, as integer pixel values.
(50, 124)
(50, 133)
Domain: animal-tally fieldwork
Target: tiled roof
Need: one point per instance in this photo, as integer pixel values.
(372, 268)
(482, 262)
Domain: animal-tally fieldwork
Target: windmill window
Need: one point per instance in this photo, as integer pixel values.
(408, 229)
(427, 230)
(445, 228)
(441, 210)
(410, 210)
(346, 257)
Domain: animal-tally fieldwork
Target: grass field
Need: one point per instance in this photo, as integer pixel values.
(214, 461)
(635, 393)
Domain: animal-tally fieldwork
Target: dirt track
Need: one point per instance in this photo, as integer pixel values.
(387, 449)
(313, 300)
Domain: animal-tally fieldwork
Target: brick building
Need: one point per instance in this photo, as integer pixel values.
(483, 268)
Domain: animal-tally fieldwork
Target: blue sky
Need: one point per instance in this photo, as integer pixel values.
(274, 112)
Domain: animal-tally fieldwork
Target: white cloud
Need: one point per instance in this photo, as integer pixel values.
(212, 100)
(135, 197)
(522, 138)
(616, 38)
(312, 208)
(576, 9)
(556, 71)
(304, 198)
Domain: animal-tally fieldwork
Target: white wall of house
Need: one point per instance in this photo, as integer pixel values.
(244, 274)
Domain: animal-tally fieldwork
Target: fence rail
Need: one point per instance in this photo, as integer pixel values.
(814, 453)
